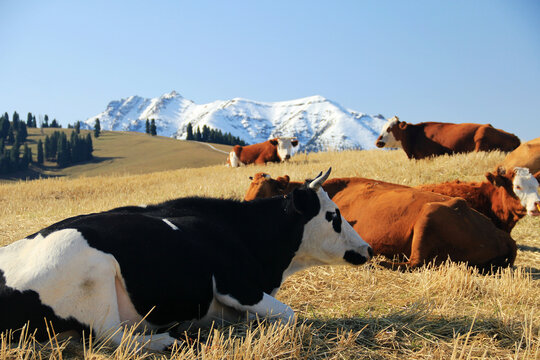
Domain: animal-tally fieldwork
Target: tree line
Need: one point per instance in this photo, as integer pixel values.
(15, 153)
(64, 151)
(14, 133)
(212, 135)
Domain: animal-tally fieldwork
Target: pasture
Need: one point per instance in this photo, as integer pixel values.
(449, 312)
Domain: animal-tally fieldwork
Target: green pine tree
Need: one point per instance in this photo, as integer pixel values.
(153, 129)
(147, 126)
(97, 129)
(189, 131)
(40, 152)
(29, 120)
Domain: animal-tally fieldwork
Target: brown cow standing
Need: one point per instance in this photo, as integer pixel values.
(526, 155)
(401, 221)
(273, 150)
(505, 197)
(433, 138)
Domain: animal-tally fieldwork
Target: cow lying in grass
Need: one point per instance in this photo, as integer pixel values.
(273, 150)
(434, 138)
(193, 259)
(505, 197)
(401, 221)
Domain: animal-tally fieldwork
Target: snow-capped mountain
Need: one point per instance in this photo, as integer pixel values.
(318, 123)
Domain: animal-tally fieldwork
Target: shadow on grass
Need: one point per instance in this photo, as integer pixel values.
(528, 248)
(403, 331)
(35, 172)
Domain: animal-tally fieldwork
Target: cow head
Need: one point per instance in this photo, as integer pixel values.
(263, 186)
(284, 146)
(387, 137)
(328, 238)
(519, 184)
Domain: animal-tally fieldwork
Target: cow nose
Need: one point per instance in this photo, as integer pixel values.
(536, 210)
(287, 157)
(379, 143)
(370, 251)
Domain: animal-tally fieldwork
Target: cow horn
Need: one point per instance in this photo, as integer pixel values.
(315, 184)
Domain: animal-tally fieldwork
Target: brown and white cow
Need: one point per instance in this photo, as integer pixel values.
(527, 155)
(411, 224)
(273, 150)
(434, 138)
(505, 197)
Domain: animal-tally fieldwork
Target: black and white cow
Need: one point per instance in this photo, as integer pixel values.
(196, 260)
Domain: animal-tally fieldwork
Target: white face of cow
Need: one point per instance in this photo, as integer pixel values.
(526, 189)
(328, 238)
(285, 147)
(386, 138)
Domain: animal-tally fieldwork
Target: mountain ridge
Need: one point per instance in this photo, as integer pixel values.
(319, 124)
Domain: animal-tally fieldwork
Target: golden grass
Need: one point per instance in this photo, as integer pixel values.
(449, 312)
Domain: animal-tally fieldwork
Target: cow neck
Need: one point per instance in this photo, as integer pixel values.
(507, 208)
(275, 236)
(407, 138)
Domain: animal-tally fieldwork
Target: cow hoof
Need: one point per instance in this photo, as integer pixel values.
(161, 342)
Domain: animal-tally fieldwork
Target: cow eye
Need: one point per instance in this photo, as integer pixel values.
(518, 187)
(329, 216)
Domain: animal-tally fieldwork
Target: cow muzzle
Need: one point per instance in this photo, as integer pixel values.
(535, 211)
(380, 144)
(355, 258)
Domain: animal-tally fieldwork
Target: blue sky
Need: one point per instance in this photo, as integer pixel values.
(452, 61)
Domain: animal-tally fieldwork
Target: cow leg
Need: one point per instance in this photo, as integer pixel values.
(80, 282)
(268, 306)
(234, 161)
(106, 306)
(126, 315)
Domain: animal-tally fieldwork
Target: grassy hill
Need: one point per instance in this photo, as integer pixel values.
(118, 152)
(365, 312)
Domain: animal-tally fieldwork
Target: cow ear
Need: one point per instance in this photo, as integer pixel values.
(283, 181)
(294, 143)
(273, 142)
(497, 179)
(490, 177)
(251, 178)
(305, 202)
(403, 125)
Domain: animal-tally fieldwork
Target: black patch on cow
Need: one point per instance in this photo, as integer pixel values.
(244, 246)
(20, 307)
(354, 258)
(329, 216)
(335, 218)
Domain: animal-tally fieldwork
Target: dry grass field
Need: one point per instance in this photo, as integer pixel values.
(366, 312)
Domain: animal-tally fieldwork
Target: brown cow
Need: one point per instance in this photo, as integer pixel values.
(505, 197)
(433, 138)
(526, 155)
(401, 221)
(273, 150)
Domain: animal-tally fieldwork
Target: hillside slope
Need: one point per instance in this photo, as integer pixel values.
(127, 153)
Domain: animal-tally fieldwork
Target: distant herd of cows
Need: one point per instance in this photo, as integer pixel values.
(194, 261)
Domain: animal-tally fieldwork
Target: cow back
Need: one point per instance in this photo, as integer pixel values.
(527, 155)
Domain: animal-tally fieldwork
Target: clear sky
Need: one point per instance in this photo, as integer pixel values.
(452, 61)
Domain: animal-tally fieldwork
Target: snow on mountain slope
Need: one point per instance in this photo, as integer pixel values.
(318, 123)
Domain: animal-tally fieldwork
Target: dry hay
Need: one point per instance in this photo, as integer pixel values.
(449, 312)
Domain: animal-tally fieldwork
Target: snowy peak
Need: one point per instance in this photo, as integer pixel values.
(319, 123)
